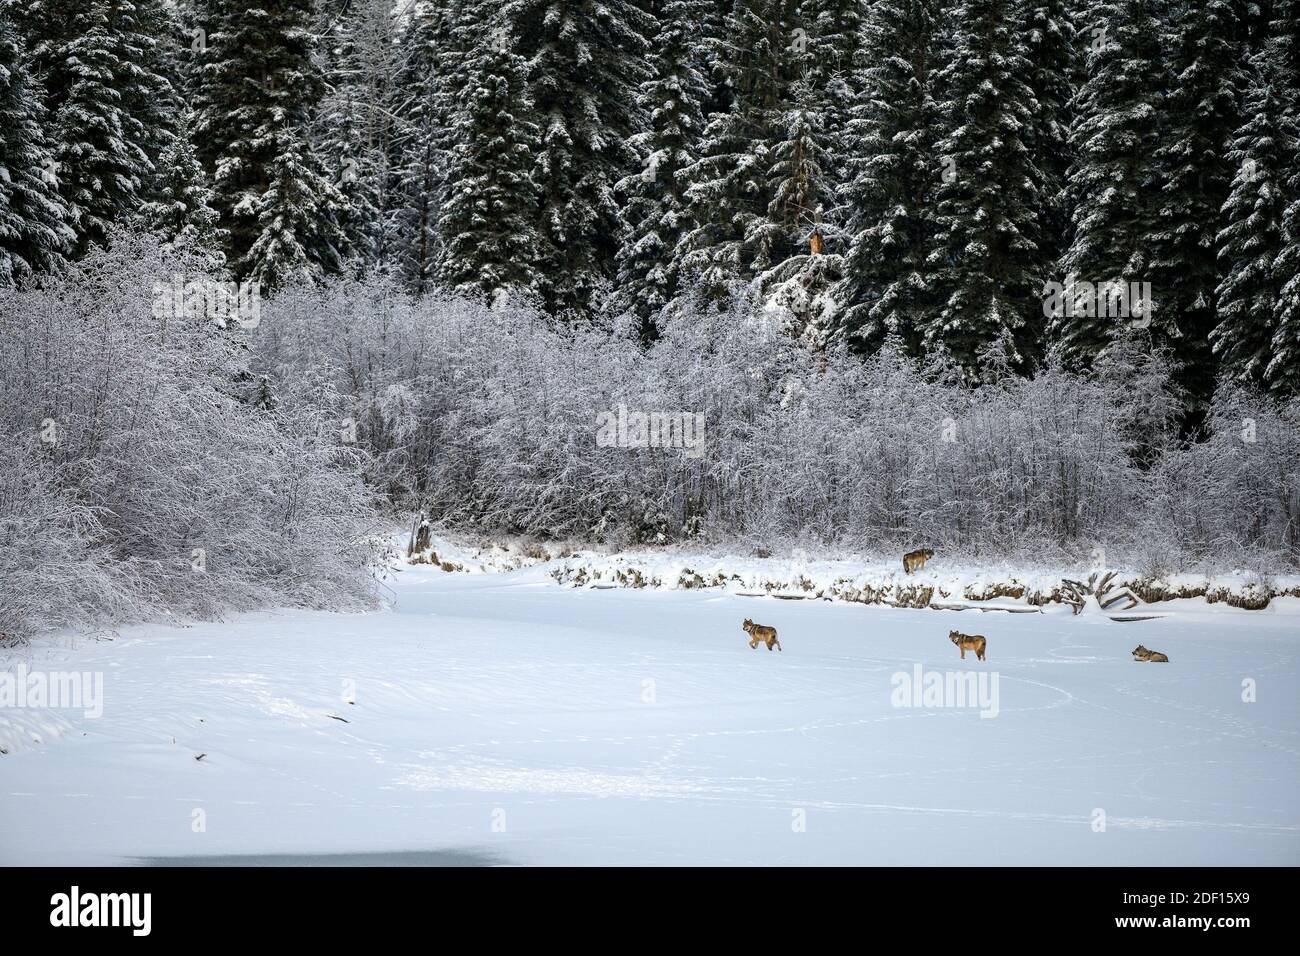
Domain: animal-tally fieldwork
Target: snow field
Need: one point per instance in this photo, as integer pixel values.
(502, 719)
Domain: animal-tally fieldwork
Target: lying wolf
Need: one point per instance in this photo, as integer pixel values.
(1140, 653)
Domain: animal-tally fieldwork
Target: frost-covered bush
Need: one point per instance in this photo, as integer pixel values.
(54, 569)
(488, 418)
(1236, 494)
(144, 471)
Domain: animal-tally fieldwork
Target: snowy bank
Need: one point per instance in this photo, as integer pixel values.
(942, 584)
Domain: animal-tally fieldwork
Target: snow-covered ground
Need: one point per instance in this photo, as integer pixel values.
(501, 718)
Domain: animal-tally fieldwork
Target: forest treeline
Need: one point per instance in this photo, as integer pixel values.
(922, 169)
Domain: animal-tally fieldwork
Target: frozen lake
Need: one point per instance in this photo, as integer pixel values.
(501, 719)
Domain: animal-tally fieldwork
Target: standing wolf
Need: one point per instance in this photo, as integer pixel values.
(969, 642)
(915, 560)
(760, 632)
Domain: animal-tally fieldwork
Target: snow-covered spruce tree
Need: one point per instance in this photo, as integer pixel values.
(1251, 240)
(354, 128)
(488, 221)
(585, 60)
(726, 186)
(798, 124)
(1051, 41)
(298, 220)
(256, 90)
(441, 87)
(886, 288)
(181, 210)
(835, 30)
(420, 140)
(987, 265)
(189, 41)
(834, 38)
(34, 233)
(152, 93)
(794, 176)
(794, 232)
(711, 40)
(1194, 176)
(1109, 188)
(654, 212)
(151, 90)
(1283, 372)
(107, 106)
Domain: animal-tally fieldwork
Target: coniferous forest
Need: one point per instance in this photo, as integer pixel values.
(912, 168)
(992, 272)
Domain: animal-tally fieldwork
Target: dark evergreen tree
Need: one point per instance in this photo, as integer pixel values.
(1194, 175)
(834, 39)
(185, 53)
(655, 210)
(711, 42)
(420, 145)
(987, 261)
(1051, 42)
(886, 289)
(793, 234)
(586, 59)
(107, 106)
(488, 221)
(34, 233)
(1251, 240)
(354, 130)
(181, 210)
(152, 88)
(1283, 372)
(1110, 189)
(727, 185)
(257, 88)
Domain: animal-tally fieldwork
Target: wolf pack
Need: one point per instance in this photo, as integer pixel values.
(915, 561)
